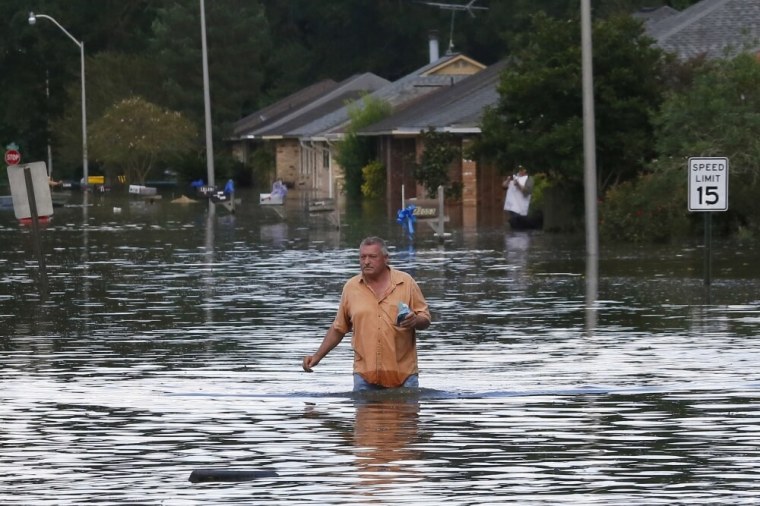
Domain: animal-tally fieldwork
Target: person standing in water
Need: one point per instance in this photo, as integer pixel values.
(384, 307)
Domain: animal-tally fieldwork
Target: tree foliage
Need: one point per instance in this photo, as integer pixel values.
(373, 175)
(119, 76)
(713, 111)
(719, 115)
(355, 152)
(538, 120)
(438, 152)
(134, 135)
(238, 42)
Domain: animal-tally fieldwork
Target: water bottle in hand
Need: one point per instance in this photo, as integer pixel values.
(403, 312)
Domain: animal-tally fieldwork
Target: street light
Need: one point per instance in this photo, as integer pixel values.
(32, 20)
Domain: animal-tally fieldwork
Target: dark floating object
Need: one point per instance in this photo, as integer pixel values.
(228, 475)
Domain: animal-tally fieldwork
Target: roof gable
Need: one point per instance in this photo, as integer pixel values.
(457, 65)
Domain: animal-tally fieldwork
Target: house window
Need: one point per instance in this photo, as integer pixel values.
(326, 158)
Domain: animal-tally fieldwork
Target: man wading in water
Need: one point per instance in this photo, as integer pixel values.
(372, 305)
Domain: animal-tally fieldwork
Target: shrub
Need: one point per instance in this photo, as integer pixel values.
(373, 175)
(651, 208)
(439, 151)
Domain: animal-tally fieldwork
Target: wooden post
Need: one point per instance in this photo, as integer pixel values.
(36, 231)
(440, 214)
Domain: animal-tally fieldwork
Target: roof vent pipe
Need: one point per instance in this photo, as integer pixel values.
(433, 45)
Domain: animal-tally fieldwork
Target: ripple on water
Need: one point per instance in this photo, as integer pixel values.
(169, 343)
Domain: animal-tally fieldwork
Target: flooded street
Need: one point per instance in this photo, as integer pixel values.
(170, 340)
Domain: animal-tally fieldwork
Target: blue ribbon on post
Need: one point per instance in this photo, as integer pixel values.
(406, 219)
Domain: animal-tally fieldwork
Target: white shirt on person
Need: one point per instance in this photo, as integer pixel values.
(516, 201)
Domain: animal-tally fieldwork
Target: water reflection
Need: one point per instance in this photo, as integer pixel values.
(275, 235)
(592, 293)
(208, 278)
(385, 433)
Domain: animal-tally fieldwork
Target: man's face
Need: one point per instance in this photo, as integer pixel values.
(372, 260)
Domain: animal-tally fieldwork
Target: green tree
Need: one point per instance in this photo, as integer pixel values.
(538, 120)
(439, 150)
(238, 42)
(719, 115)
(355, 152)
(111, 78)
(41, 67)
(135, 135)
(374, 179)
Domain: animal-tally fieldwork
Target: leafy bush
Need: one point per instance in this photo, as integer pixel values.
(263, 165)
(354, 152)
(439, 150)
(718, 115)
(651, 208)
(374, 179)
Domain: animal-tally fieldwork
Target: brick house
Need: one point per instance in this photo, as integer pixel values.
(304, 127)
(275, 124)
(456, 109)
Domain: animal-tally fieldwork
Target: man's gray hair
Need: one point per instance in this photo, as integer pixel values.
(368, 241)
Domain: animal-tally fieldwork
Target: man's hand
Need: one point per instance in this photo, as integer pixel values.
(309, 361)
(413, 321)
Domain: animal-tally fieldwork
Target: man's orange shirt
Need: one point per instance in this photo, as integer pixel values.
(384, 354)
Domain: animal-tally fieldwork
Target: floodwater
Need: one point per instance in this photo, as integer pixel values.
(169, 339)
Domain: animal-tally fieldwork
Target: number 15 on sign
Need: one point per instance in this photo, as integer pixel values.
(708, 184)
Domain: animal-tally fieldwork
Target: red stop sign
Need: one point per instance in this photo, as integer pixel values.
(12, 157)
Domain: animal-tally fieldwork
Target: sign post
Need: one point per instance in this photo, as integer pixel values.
(708, 191)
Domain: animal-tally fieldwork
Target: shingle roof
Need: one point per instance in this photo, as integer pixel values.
(715, 28)
(456, 108)
(402, 91)
(656, 14)
(277, 110)
(335, 98)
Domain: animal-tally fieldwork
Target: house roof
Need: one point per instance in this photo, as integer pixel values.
(277, 110)
(714, 28)
(443, 72)
(655, 14)
(457, 108)
(347, 90)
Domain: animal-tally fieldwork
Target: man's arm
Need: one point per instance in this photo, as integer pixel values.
(331, 340)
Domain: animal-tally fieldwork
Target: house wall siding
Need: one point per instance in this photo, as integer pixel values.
(398, 156)
(287, 159)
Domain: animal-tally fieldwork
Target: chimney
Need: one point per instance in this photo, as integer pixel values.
(433, 45)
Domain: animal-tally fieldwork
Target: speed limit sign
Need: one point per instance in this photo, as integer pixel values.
(708, 184)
